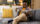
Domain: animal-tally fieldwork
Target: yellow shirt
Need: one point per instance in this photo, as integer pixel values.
(22, 9)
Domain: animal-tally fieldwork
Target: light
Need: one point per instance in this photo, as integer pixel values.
(9, 0)
(21, 4)
(20, 0)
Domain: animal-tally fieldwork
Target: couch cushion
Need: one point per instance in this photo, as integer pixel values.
(37, 15)
(33, 14)
(29, 23)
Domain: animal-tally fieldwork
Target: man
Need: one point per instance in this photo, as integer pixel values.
(22, 14)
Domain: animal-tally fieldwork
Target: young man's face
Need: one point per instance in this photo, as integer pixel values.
(24, 4)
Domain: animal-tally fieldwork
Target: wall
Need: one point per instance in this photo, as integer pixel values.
(35, 4)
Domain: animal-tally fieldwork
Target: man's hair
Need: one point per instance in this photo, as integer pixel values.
(25, 1)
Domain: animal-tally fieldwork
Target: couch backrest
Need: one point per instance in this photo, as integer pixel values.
(33, 14)
(36, 15)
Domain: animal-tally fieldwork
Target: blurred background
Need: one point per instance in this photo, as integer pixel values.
(8, 8)
(12, 4)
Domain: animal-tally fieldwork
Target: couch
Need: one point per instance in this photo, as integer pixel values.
(35, 18)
